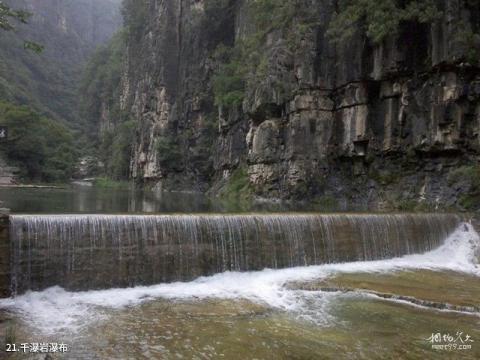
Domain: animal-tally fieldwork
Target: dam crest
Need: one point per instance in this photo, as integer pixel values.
(85, 252)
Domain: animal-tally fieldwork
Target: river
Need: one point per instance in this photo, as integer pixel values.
(265, 284)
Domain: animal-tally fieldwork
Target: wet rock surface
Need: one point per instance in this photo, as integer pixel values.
(7, 173)
(358, 327)
(437, 289)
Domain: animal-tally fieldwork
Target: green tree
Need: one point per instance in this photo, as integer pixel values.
(229, 80)
(7, 15)
(116, 150)
(100, 84)
(378, 19)
(99, 97)
(169, 153)
(246, 62)
(135, 13)
(42, 148)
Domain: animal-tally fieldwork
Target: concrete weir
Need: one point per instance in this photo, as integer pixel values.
(4, 254)
(84, 252)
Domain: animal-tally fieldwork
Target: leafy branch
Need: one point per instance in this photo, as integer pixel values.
(378, 19)
(7, 14)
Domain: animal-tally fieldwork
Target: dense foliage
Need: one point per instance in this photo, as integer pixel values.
(116, 150)
(246, 61)
(237, 191)
(42, 148)
(100, 83)
(7, 14)
(99, 98)
(32, 79)
(169, 154)
(469, 176)
(230, 79)
(134, 13)
(379, 19)
(47, 82)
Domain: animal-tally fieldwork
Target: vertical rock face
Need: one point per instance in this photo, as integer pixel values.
(166, 87)
(363, 123)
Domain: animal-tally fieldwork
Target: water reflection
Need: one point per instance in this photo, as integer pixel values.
(91, 199)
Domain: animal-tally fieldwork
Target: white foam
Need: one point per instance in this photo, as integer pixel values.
(56, 310)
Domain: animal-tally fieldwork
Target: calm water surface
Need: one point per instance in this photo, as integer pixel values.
(90, 199)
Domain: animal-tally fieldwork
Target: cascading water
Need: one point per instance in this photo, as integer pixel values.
(80, 252)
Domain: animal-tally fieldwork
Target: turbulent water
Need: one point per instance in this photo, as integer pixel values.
(83, 252)
(56, 310)
(259, 314)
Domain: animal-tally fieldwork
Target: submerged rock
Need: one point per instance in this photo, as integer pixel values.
(437, 289)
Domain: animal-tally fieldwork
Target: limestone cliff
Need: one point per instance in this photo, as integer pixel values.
(354, 122)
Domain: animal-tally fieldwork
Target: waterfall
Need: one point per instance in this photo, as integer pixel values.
(82, 252)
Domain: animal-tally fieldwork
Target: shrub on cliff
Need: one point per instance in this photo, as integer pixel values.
(466, 179)
(134, 13)
(116, 149)
(245, 64)
(237, 192)
(169, 154)
(378, 19)
(100, 86)
(229, 80)
(100, 100)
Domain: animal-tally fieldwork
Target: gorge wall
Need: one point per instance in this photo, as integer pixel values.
(352, 122)
(69, 31)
